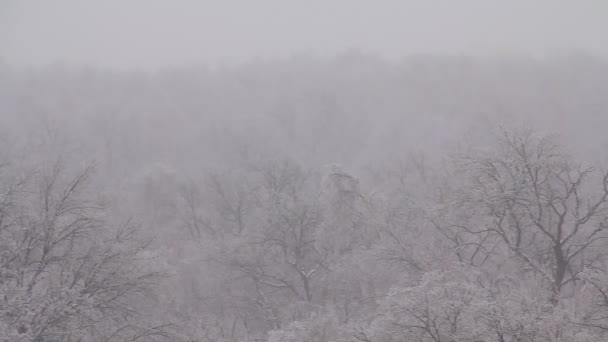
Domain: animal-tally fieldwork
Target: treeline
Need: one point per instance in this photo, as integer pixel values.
(344, 200)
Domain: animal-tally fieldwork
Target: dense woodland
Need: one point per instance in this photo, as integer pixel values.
(443, 199)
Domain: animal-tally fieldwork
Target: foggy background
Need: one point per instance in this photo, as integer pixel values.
(155, 33)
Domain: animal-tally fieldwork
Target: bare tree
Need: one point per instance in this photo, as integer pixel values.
(546, 209)
(65, 274)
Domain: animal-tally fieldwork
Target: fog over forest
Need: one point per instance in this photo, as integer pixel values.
(352, 194)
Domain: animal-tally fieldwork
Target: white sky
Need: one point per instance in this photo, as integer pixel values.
(152, 33)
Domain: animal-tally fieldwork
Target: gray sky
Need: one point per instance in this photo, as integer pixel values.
(152, 33)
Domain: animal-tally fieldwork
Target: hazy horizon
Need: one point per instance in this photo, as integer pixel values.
(154, 33)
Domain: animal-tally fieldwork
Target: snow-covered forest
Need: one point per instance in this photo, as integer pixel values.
(434, 198)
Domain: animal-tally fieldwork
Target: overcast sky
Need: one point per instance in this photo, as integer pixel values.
(152, 33)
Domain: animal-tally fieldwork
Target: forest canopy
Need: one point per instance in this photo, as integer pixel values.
(443, 199)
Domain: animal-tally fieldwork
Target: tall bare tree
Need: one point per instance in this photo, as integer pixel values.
(548, 210)
(65, 273)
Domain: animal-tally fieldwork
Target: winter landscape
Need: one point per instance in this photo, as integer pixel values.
(280, 171)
